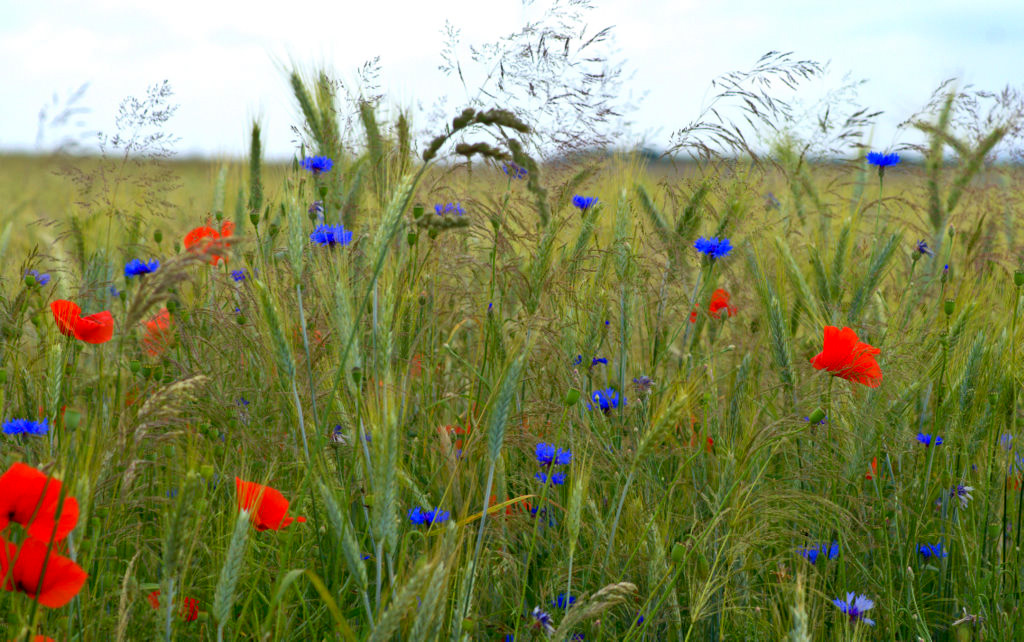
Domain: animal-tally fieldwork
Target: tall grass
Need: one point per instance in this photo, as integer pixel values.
(421, 363)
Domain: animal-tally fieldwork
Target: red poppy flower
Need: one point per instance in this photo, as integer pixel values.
(95, 328)
(65, 313)
(873, 469)
(195, 239)
(62, 581)
(189, 606)
(158, 333)
(30, 498)
(719, 302)
(268, 509)
(844, 355)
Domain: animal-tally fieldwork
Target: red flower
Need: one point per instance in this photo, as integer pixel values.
(873, 469)
(267, 507)
(844, 355)
(196, 236)
(158, 333)
(189, 606)
(62, 581)
(95, 328)
(31, 498)
(719, 302)
(66, 313)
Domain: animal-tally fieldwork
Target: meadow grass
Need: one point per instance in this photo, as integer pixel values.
(421, 363)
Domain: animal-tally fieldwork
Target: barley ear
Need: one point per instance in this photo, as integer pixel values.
(224, 595)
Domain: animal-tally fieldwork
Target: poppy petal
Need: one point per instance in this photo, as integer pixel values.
(65, 313)
(95, 328)
(30, 498)
(62, 582)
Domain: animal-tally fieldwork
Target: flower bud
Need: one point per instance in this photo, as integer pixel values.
(323, 192)
(158, 236)
(678, 553)
(206, 470)
(411, 238)
(948, 306)
(816, 416)
(30, 280)
(417, 211)
(254, 218)
(72, 418)
(572, 397)
(134, 366)
(1018, 278)
(357, 375)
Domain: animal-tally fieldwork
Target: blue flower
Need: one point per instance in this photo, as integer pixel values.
(449, 208)
(963, 493)
(820, 423)
(922, 248)
(771, 202)
(713, 247)
(856, 607)
(238, 275)
(563, 603)
(419, 516)
(584, 202)
(135, 267)
(811, 554)
(41, 278)
(557, 479)
(883, 160)
(542, 620)
(26, 427)
(514, 171)
(597, 360)
(643, 384)
(926, 439)
(331, 235)
(606, 399)
(578, 360)
(316, 208)
(931, 550)
(548, 454)
(317, 164)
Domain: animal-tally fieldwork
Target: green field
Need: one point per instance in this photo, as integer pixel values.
(422, 362)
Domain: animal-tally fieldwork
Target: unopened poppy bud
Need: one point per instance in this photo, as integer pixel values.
(172, 306)
(678, 553)
(177, 247)
(951, 231)
(158, 236)
(36, 319)
(323, 192)
(356, 375)
(240, 319)
(254, 218)
(417, 211)
(572, 397)
(423, 298)
(219, 216)
(72, 418)
(274, 229)
(134, 366)
(816, 416)
(948, 306)
(123, 295)
(206, 470)
(1018, 278)
(30, 280)
(411, 238)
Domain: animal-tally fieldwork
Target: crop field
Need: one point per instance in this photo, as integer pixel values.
(420, 389)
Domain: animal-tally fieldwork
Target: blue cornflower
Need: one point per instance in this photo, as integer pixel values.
(562, 602)
(316, 208)
(606, 399)
(963, 493)
(548, 454)
(419, 516)
(881, 160)
(542, 620)
(713, 247)
(931, 550)
(771, 202)
(643, 384)
(922, 248)
(578, 360)
(584, 202)
(856, 607)
(317, 164)
(238, 275)
(114, 292)
(449, 208)
(331, 235)
(514, 171)
(1006, 441)
(242, 401)
(557, 479)
(41, 277)
(26, 427)
(135, 267)
(811, 554)
(926, 439)
(823, 421)
(597, 360)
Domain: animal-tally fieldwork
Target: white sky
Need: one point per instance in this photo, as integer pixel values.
(224, 59)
